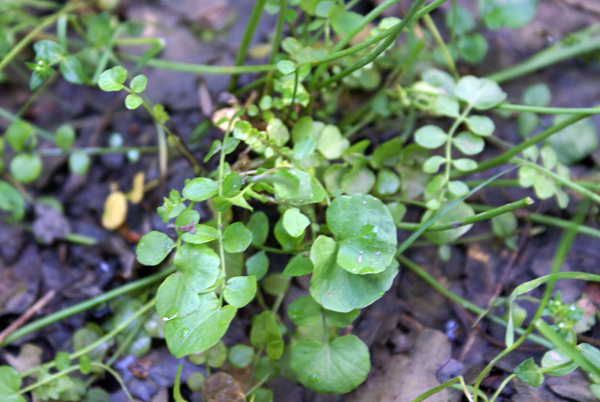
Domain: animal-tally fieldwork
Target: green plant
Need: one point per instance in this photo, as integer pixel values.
(335, 203)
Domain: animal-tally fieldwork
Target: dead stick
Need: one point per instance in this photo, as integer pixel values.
(27, 315)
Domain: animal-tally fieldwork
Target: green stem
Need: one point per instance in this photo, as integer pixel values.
(508, 155)
(559, 258)
(421, 273)
(88, 348)
(502, 386)
(95, 150)
(257, 11)
(39, 131)
(515, 183)
(566, 347)
(547, 57)
(565, 182)
(48, 379)
(441, 44)
(29, 37)
(348, 37)
(86, 305)
(396, 31)
(548, 110)
(549, 221)
(470, 220)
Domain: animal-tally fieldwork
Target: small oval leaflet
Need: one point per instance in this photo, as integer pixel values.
(153, 248)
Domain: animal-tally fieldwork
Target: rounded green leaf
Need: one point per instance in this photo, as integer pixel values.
(446, 106)
(200, 330)
(464, 164)
(259, 226)
(10, 384)
(304, 311)
(133, 101)
(504, 225)
(365, 231)
(153, 248)
(481, 125)
(458, 188)
(335, 367)
(79, 162)
(19, 134)
(201, 234)
(64, 136)
(265, 334)
(460, 19)
(468, 143)
(481, 93)
(240, 290)
(388, 183)
(433, 163)
(176, 297)
(112, 79)
(236, 238)
(575, 142)
(138, 83)
(431, 137)
(294, 222)
(342, 320)
(473, 47)
(298, 266)
(199, 264)
(543, 186)
(336, 289)
(241, 356)
(556, 357)
(258, 265)
(26, 168)
(275, 284)
(537, 95)
(286, 67)
(331, 142)
(530, 373)
(200, 189)
(48, 51)
(72, 70)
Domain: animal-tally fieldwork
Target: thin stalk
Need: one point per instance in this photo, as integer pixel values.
(49, 20)
(559, 257)
(515, 183)
(257, 11)
(567, 183)
(85, 350)
(525, 202)
(85, 305)
(547, 57)
(348, 37)
(568, 348)
(38, 130)
(96, 150)
(83, 240)
(421, 273)
(508, 155)
(276, 42)
(448, 168)
(48, 379)
(107, 52)
(502, 386)
(396, 31)
(549, 221)
(428, 21)
(548, 110)
(206, 69)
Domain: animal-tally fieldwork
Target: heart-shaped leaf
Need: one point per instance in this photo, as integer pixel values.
(335, 367)
(337, 289)
(365, 232)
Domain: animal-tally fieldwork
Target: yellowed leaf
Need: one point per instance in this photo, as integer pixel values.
(115, 210)
(226, 112)
(137, 191)
(260, 51)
